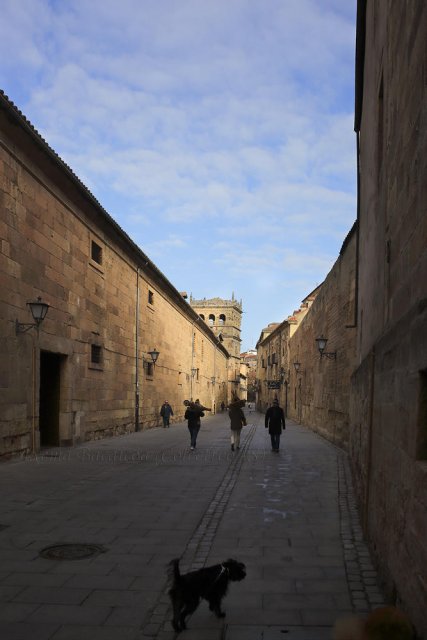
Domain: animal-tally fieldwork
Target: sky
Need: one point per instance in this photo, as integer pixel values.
(217, 133)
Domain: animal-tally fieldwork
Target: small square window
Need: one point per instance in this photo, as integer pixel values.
(95, 354)
(150, 297)
(96, 252)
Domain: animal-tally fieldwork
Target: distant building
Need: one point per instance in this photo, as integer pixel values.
(224, 318)
(249, 360)
(274, 359)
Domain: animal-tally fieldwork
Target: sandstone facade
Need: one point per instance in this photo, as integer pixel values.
(87, 372)
(319, 391)
(372, 397)
(388, 416)
(224, 318)
(275, 370)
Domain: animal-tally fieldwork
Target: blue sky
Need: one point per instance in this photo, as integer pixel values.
(217, 133)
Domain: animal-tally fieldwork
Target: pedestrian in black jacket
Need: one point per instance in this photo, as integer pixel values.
(193, 414)
(274, 421)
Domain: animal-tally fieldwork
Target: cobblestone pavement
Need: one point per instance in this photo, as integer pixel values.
(144, 499)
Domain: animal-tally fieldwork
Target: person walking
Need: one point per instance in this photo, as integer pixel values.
(237, 421)
(166, 412)
(274, 421)
(193, 415)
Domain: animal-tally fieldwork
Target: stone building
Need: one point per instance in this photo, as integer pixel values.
(87, 371)
(319, 385)
(388, 411)
(274, 361)
(224, 318)
(249, 358)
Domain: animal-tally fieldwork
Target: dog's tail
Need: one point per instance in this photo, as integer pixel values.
(173, 570)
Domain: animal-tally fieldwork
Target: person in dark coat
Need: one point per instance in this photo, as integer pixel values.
(193, 415)
(274, 421)
(166, 412)
(237, 421)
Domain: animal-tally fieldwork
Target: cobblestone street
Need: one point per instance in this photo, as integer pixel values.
(145, 498)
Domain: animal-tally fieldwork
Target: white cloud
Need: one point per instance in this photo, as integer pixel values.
(229, 121)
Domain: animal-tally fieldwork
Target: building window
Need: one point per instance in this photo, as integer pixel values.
(422, 417)
(96, 252)
(202, 316)
(222, 319)
(211, 320)
(95, 354)
(96, 357)
(150, 369)
(150, 297)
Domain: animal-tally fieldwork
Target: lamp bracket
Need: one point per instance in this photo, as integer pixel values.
(23, 327)
(332, 355)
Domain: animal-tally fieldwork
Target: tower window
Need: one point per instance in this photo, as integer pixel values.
(222, 319)
(211, 320)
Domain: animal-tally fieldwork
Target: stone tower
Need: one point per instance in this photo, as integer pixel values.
(224, 317)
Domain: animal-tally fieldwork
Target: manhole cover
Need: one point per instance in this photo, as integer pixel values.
(71, 551)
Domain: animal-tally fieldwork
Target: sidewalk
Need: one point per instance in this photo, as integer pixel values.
(144, 499)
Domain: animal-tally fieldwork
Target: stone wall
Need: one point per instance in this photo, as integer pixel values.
(319, 392)
(275, 369)
(80, 375)
(388, 416)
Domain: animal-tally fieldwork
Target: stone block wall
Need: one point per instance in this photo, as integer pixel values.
(319, 392)
(58, 243)
(388, 416)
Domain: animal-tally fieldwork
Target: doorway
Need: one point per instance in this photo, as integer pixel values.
(50, 387)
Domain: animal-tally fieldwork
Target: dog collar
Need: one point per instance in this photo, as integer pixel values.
(223, 570)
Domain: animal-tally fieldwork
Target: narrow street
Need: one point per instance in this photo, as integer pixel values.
(145, 498)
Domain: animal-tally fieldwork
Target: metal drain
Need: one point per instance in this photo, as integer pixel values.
(71, 551)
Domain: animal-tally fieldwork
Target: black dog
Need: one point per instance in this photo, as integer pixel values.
(210, 583)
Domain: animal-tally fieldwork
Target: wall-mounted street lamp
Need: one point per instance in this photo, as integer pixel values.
(193, 372)
(38, 310)
(297, 366)
(213, 380)
(154, 354)
(321, 345)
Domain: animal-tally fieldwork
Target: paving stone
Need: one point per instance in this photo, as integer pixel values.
(147, 500)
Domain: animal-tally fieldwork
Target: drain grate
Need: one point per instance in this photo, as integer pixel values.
(72, 551)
